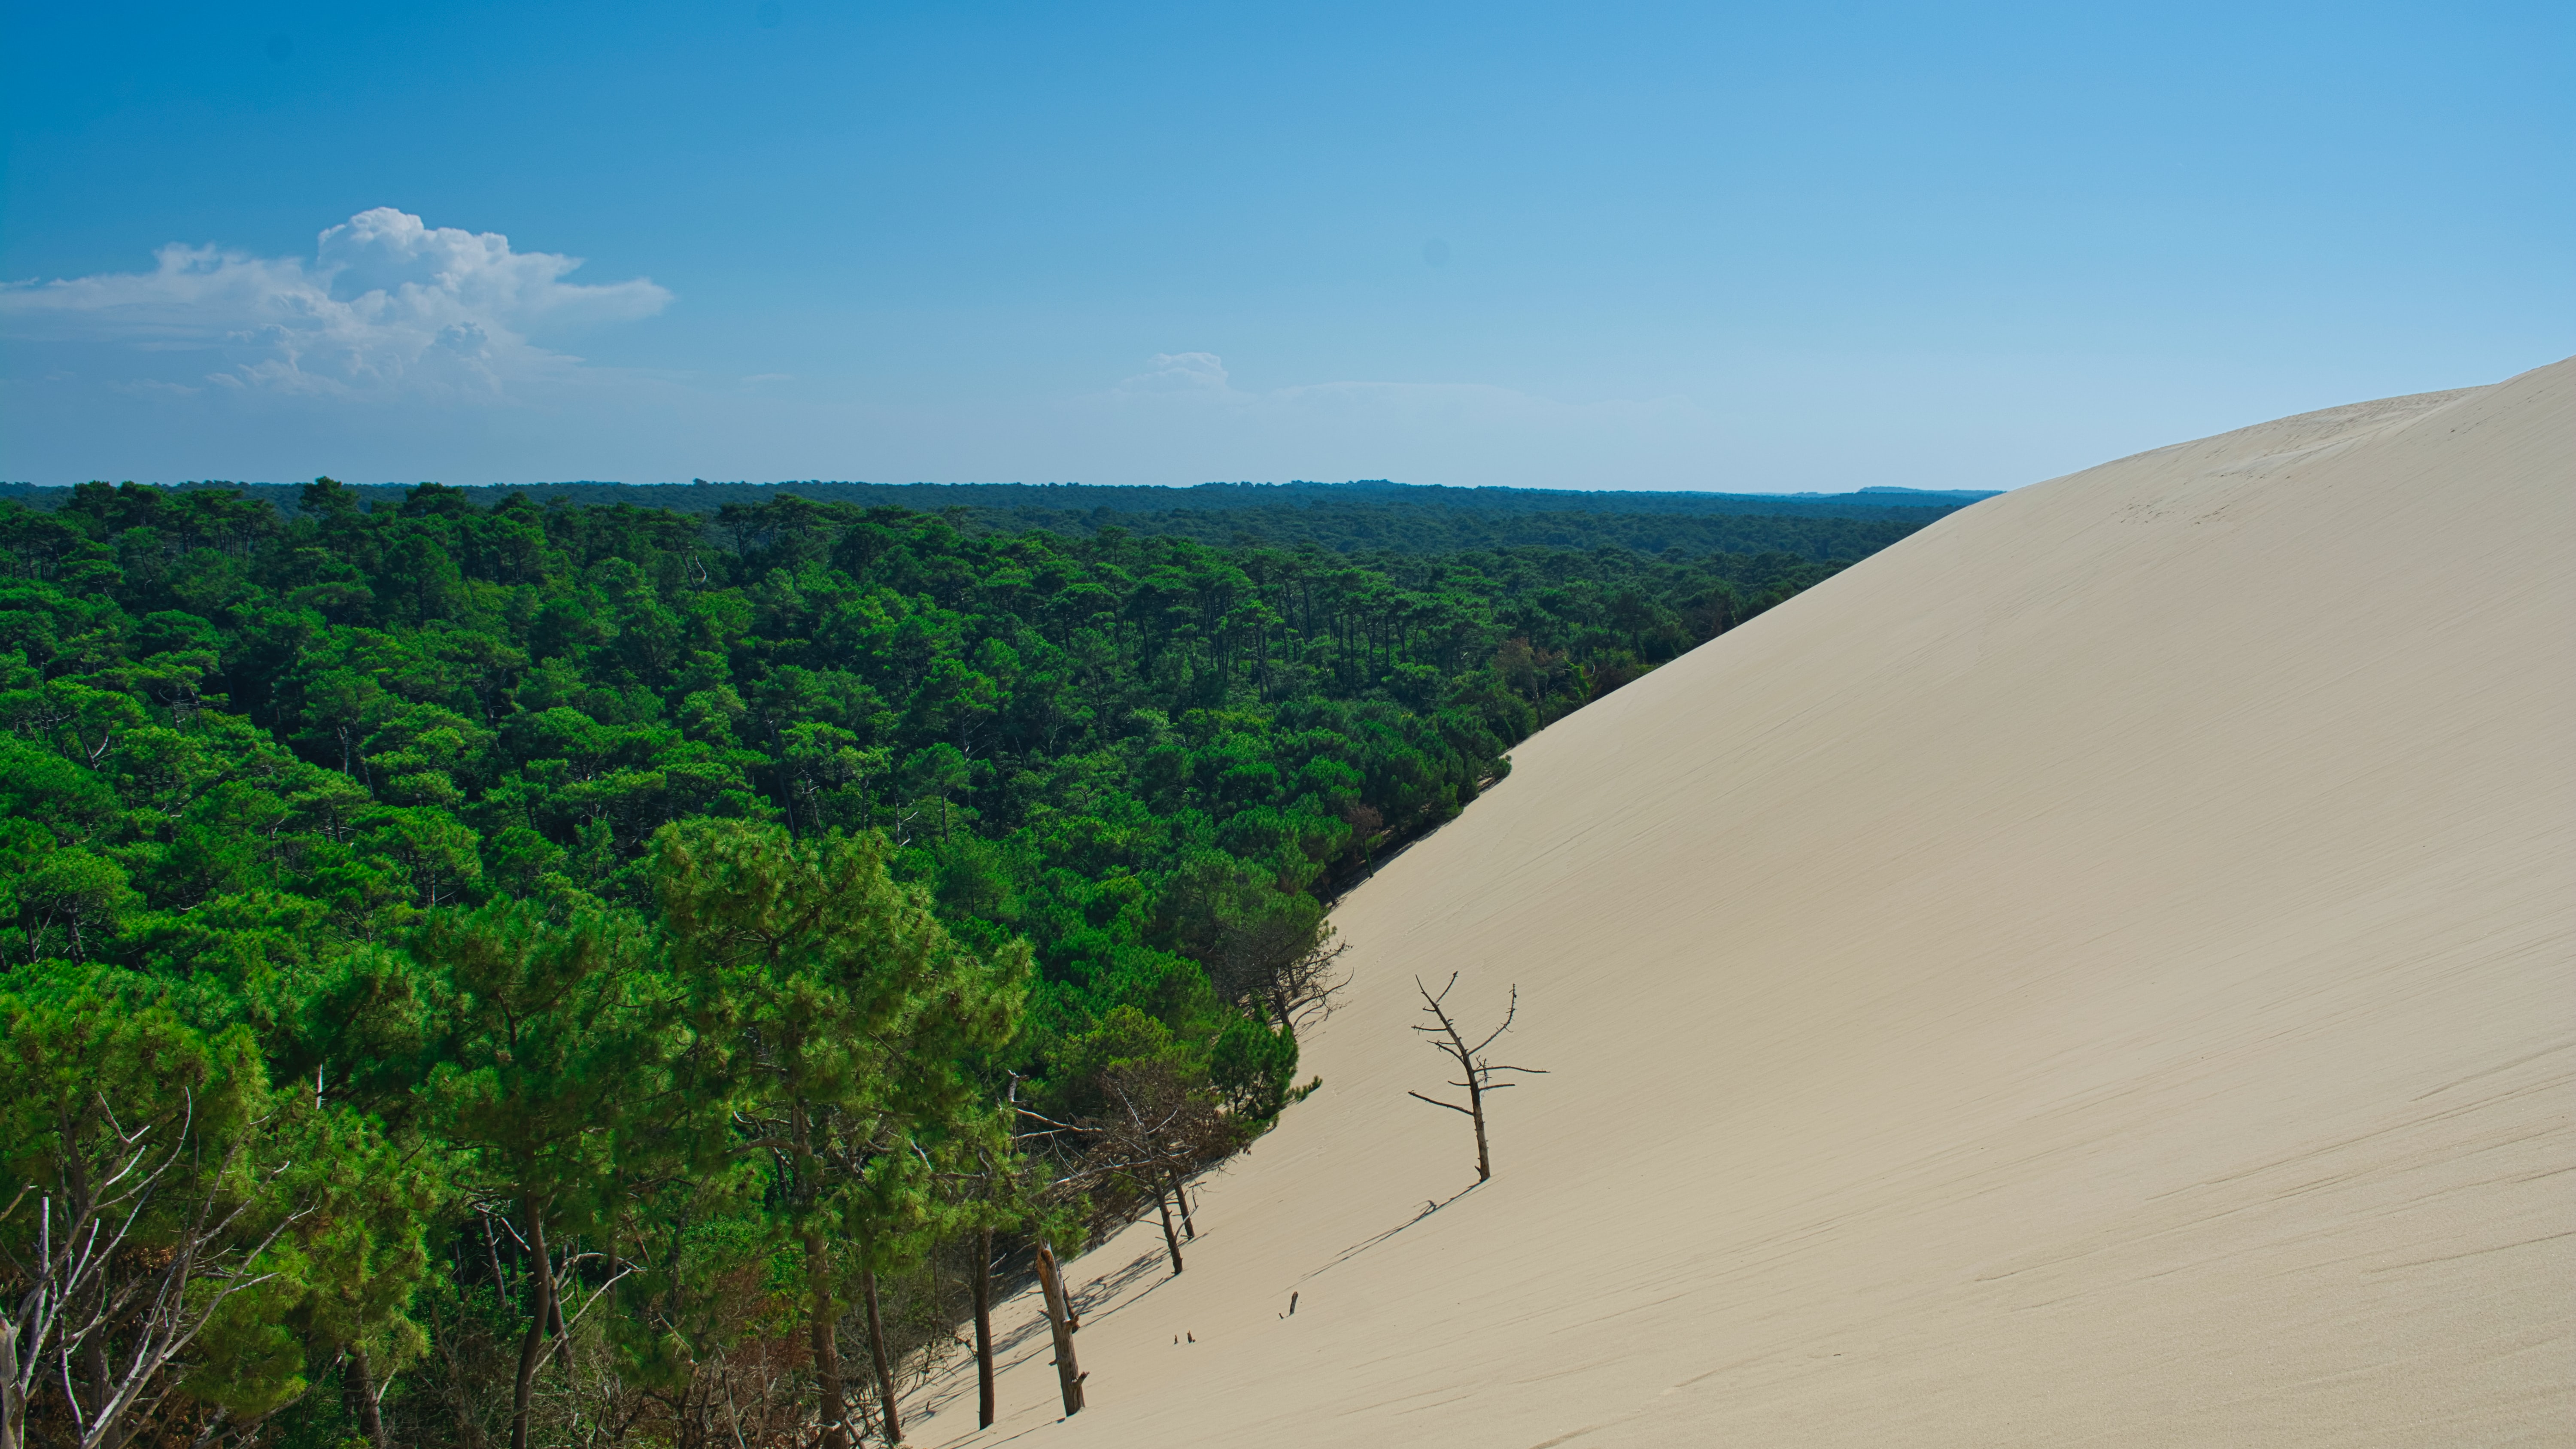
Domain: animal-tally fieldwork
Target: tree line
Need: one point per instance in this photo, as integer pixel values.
(1347, 518)
(599, 975)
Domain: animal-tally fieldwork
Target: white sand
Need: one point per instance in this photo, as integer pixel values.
(2103, 970)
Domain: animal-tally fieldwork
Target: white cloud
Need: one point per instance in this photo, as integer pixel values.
(387, 305)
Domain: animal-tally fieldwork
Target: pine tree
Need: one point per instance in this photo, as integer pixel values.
(550, 1049)
(849, 1017)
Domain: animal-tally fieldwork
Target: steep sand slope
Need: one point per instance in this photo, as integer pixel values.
(2103, 970)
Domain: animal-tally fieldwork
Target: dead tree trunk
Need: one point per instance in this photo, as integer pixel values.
(1472, 1065)
(1059, 1319)
(1171, 1240)
(885, 1366)
(984, 1329)
(1181, 1194)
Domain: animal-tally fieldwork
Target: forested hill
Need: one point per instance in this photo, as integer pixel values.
(680, 950)
(1341, 517)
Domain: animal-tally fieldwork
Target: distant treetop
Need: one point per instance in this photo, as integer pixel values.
(702, 496)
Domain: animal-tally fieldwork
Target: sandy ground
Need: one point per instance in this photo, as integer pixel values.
(2101, 971)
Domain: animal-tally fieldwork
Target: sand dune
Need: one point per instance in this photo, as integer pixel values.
(2101, 971)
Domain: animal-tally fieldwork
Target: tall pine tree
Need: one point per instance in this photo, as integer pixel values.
(849, 1018)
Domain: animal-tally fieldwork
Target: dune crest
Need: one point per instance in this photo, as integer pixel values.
(2103, 969)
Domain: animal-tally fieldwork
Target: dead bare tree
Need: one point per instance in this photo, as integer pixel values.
(1302, 987)
(1069, 1375)
(1072, 1170)
(1472, 1064)
(1157, 1130)
(1275, 953)
(99, 1305)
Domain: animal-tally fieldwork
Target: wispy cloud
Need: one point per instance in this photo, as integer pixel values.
(1197, 374)
(386, 305)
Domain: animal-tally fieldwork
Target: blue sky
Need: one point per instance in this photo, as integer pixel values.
(1608, 246)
